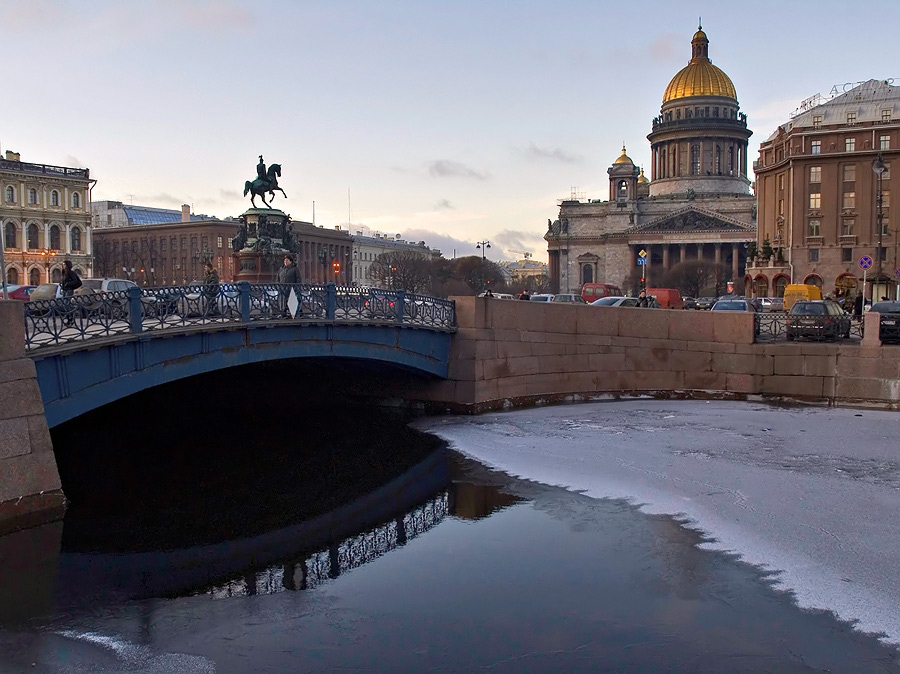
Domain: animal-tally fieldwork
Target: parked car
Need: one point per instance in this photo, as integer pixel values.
(568, 298)
(734, 305)
(820, 319)
(504, 296)
(623, 302)
(21, 293)
(770, 304)
(889, 321)
(108, 296)
(705, 303)
(47, 291)
(689, 302)
(543, 297)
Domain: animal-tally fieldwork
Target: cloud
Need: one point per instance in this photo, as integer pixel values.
(556, 154)
(159, 198)
(212, 15)
(514, 243)
(74, 162)
(668, 46)
(444, 204)
(444, 168)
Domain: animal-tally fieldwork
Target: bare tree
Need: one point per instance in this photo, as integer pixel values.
(402, 270)
(693, 277)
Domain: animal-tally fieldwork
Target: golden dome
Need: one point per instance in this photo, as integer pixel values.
(699, 77)
(642, 179)
(624, 159)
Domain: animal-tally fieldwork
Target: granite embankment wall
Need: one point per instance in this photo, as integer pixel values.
(509, 354)
(30, 490)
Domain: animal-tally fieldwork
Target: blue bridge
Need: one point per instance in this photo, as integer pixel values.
(92, 349)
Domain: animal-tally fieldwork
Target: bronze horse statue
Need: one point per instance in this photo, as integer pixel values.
(260, 186)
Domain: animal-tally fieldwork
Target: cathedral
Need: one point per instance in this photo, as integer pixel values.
(696, 205)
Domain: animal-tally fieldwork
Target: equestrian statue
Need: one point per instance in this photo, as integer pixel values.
(266, 181)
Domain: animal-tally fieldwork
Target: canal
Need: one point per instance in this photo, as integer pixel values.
(262, 539)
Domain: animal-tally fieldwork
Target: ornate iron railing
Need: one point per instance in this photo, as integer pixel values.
(782, 327)
(78, 318)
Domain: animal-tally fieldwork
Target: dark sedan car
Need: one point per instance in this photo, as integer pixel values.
(819, 319)
(705, 302)
(889, 322)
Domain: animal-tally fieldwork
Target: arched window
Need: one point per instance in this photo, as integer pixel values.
(718, 167)
(12, 275)
(32, 196)
(813, 280)
(731, 161)
(10, 195)
(780, 284)
(34, 237)
(56, 276)
(76, 200)
(695, 159)
(622, 190)
(761, 286)
(587, 273)
(76, 240)
(54, 198)
(9, 235)
(54, 238)
(34, 277)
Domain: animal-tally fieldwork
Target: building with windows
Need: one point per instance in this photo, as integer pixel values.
(697, 204)
(366, 250)
(824, 190)
(44, 220)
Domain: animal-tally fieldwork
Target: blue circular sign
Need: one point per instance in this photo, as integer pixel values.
(865, 262)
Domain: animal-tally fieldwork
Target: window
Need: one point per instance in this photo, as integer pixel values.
(849, 144)
(849, 200)
(695, 160)
(885, 198)
(183, 243)
(815, 200)
(76, 200)
(10, 235)
(781, 207)
(846, 255)
(817, 121)
(718, 167)
(882, 253)
(781, 182)
(54, 198)
(814, 228)
(34, 238)
(816, 147)
(847, 226)
(884, 142)
(162, 244)
(32, 196)
(815, 174)
(886, 115)
(219, 242)
(54, 238)
(851, 118)
(10, 195)
(587, 274)
(813, 254)
(12, 276)
(850, 173)
(34, 276)
(887, 171)
(76, 240)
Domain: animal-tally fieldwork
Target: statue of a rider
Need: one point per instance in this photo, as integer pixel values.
(261, 170)
(266, 181)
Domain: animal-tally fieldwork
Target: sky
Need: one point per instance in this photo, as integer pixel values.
(448, 122)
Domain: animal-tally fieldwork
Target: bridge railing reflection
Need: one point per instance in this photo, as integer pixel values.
(73, 320)
(350, 553)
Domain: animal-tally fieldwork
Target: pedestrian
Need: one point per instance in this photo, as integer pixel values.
(211, 283)
(69, 284)
(643, 300)
(288, 275)
(524, 295)
(858, 306)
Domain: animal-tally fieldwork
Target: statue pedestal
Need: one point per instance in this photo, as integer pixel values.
(266, 238)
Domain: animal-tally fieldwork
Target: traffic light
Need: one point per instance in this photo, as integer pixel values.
(337, 267)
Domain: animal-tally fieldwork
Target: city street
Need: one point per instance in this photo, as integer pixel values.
(810, 494)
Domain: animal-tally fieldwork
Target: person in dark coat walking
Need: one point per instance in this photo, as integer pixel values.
(858, 306)
(288, 275)
(211, 289)
(69, 284)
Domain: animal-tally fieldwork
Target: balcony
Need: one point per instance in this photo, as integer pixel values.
(46, 169)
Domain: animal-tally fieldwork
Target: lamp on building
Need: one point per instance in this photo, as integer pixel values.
(47, 254)
(878, 167)
(483, 246)
(323, 258)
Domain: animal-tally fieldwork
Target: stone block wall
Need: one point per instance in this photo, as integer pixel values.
(511, 353)
(30, 490)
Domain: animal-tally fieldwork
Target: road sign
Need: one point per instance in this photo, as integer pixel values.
(642, 260)
(643, 253)
(865, 262)
(897, 273)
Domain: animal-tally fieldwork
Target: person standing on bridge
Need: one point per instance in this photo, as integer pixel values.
(211, 283)
(70, 283)
(288, 275)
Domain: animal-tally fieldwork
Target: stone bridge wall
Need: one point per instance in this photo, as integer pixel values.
(509, 354)
(30, 491)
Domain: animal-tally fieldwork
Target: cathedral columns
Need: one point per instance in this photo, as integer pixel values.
(734, 262)
(718, 253)
(682, 252)
(665, 257)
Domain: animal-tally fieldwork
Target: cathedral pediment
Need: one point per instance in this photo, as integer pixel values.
(691, 220)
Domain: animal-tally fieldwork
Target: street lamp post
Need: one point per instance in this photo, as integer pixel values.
(47, 253)
(878, 167)
(323, 258)
(483, 246)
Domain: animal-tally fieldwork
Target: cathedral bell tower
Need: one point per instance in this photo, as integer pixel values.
(623, 180)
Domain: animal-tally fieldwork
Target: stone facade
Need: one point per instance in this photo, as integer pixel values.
(45, 220)
(818, 195)
(697, 204)
(30, 490)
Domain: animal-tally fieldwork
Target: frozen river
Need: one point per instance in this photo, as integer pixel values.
(810, 494)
